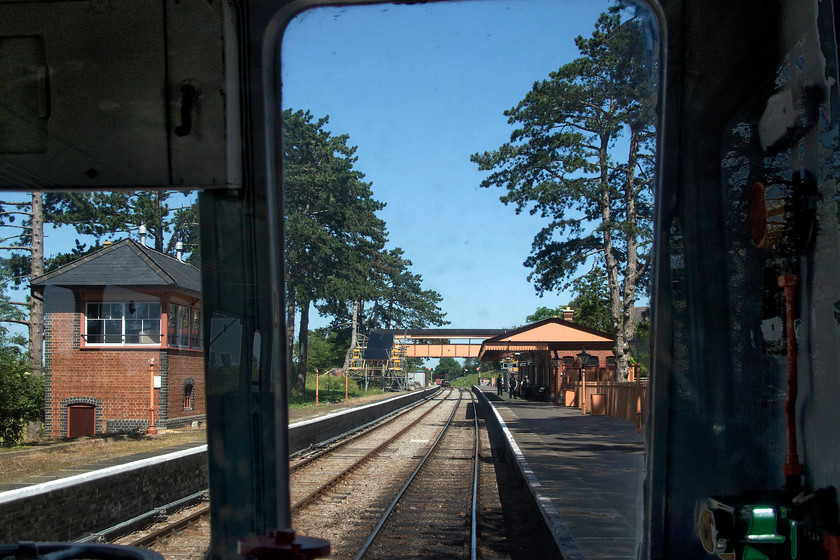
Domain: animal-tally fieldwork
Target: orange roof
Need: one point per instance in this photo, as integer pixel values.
(548, 334)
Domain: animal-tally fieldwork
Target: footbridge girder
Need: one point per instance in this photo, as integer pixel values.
(442, 343)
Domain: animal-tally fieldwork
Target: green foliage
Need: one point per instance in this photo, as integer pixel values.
(544, 313)
(490, 369)
(335, 242)
(448, 368)
(472, 365)
(465, 382)
(400, 301)
(326, 350)
(592, 302)
(332, 232)
(76, 253)
(640, 348)
(21, 394)
(560, 161)
(110, 215)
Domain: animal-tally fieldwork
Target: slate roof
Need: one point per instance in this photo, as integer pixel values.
(379, 346)
(125, 263)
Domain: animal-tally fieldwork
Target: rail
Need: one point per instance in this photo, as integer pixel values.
(365, 548)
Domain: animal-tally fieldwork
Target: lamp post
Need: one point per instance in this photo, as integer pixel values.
(583, 358)
(556, 363)
(151, 430)
(316, 386)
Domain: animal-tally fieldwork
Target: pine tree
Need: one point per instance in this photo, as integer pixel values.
(582, 158)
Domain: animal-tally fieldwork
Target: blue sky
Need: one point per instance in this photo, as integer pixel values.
(419, 89)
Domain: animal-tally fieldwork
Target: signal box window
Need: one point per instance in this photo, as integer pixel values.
(184, 327)
(123, 323)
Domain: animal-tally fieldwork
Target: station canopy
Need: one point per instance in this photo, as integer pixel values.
(548, 335)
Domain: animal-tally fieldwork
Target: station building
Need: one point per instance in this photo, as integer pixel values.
(122, 342)
(553, 351)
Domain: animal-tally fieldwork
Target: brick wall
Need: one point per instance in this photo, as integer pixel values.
(116, 380)
(97, 503)
(184, 368)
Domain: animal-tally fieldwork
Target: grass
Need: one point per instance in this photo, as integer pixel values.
(47, 457)
(28, 460)
(468, 381)
(330, 389)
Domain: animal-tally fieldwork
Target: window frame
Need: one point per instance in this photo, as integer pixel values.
(180, 317)
(93, 314)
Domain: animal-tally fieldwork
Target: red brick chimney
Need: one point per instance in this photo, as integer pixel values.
(569, 314)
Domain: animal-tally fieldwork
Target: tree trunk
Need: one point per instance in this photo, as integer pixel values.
(303, 347)
(290, 337)
(353, 337)
(36, 313)
(36, 310)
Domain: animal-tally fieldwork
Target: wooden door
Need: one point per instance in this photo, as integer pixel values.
(81, 420)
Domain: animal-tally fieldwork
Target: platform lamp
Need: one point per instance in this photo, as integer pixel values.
(557, 363)
(583, 359)
(151, 430)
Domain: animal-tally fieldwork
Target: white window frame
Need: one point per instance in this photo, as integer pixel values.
(113, 315)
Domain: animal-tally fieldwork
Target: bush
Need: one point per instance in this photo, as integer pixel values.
(21, 394)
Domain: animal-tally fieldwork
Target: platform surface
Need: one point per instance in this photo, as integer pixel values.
(588, 472)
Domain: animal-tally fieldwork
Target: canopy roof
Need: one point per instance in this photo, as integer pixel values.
(546, 335)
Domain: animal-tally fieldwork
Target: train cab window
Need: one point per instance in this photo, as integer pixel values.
(469, 127)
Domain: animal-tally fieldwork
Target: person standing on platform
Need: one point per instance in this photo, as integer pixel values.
(499, 385)
(512, 387)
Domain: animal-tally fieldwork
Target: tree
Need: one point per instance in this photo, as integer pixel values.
(104, 215)
(332, 232)
(592, 302)
(582, 157)
(21, 393)
(544, 313)
(400, 302)
(326, 350)
(472, 365)
(448, 368)
(26, 261)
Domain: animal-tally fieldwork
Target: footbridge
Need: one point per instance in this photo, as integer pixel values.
(378, 356)
(440, 343)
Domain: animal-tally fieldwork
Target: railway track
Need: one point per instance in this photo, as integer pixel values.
(421, 485)
(440, 523)
(451, 509)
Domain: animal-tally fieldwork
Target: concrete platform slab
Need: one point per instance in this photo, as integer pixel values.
(587, 472)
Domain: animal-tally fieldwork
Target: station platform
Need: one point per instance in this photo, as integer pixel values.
(585, 472)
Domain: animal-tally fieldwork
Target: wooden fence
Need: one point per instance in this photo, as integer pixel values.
(626, 401)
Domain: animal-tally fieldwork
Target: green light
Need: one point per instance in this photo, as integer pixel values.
(763, 526)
